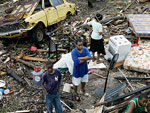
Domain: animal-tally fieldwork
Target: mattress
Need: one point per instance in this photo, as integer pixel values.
(139, 57)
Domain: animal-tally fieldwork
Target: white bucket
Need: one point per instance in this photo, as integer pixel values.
(67, 87)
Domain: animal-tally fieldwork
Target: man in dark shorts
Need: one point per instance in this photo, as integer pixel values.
(51, 81)
(97, 42)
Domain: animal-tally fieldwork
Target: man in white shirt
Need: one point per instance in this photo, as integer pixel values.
(97, 42)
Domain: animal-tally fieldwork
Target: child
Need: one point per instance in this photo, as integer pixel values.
(137, 105)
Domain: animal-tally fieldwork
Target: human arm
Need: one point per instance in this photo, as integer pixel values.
(43, 84)
(131, 107)
(43, 87)
(59, 80)
(87, 55)
(100, 30)
(84, 58)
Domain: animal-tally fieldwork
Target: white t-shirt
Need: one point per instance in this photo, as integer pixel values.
(97, 27)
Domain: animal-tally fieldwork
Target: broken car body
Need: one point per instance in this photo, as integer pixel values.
(34, 15)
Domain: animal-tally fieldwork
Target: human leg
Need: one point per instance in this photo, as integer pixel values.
(84, 80)
(93, 56)
(83, 86)
(57, 105)
(76, 82)
(98, 56)
(49, 101)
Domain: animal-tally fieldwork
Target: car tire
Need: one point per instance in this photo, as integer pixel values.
(38, 35)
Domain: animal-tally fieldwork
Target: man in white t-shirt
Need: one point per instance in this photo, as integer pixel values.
(97, 42)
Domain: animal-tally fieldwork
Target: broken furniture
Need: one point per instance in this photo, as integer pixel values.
(140, 24)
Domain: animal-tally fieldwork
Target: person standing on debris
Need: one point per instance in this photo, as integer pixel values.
(138, 105)
(51, 81)
(97, 42)
(80, 55)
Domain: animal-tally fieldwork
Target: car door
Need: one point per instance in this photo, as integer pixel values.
(61, 8)
(51, 13)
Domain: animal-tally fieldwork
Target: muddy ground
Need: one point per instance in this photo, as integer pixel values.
(25, 96)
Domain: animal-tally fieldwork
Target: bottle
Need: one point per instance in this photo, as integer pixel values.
(37, 75)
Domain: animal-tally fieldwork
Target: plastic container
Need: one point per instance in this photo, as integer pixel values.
(37, 75)
(1, 93)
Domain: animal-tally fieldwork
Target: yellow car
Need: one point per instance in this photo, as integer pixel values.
(34, 16)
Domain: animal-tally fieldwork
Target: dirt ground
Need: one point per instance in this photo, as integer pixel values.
(24, 97)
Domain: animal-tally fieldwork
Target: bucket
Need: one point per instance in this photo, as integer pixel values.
(67, 87)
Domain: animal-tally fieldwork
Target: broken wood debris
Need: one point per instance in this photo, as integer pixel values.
(24, 62)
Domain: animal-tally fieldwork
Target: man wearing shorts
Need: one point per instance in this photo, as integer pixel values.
(80, 55)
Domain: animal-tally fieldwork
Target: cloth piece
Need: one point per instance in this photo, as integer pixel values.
(53, 100)
(65, 62)
(52, 81)
(94, 65)
(97, 27)
(79, 70)
(77, 81)
(138, 108)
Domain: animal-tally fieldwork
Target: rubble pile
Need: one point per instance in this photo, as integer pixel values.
(18, 59)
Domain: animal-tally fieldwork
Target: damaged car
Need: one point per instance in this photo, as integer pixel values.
(33, 17)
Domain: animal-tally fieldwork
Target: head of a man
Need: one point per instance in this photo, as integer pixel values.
(98, 17)
(49, 66)
(79, 44)
(142, 99)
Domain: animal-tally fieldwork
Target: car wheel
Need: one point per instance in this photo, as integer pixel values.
(38, 35)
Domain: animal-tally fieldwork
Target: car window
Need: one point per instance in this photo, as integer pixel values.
(39, 6)
(57, 2)
(47, 3)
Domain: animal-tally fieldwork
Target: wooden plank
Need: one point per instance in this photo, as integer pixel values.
(34, 59)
